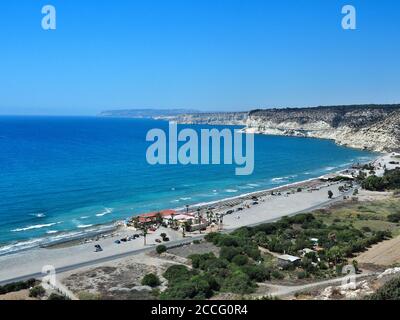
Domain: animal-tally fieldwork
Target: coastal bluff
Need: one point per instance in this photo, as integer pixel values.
(369, 127)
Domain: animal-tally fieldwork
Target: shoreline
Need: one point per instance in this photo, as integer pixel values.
(73, 256)
(95, 232)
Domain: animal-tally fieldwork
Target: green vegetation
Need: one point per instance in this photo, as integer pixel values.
(389, 291)
(37, 292)
(17, 286)
(151, 280)
(59, 297)
(389, 181)
(245, 257)
(161, 249)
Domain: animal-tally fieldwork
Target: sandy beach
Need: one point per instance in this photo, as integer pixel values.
(285, 201)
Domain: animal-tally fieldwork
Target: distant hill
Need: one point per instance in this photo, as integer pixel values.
(145, 113)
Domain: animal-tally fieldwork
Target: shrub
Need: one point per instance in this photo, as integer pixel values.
(229, 253)
(257, 273)
(239, 282)
(17, 286)
(37, 292)
(302, 275)
(56, 296)
(277, 275)
(161, 249)
(196, 241)
(151, 280)
(177, 273)
(395, 217)
(389, 291)
(240, 260)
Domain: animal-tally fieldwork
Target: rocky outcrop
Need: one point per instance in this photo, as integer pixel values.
(374, 127)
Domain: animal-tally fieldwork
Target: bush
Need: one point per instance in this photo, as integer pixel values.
(229, 253)
(277, 275)
(257, 273)
(389, 291)
(177, 273)
(56, 296)
(239, 282)
(197, 287)
(161, 249)
(395, 217)
(151, 280)
(302, 275)
(196, 241)
(240, 260)
(37, 292)
(17, 286)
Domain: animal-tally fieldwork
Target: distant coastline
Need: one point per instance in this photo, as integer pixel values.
(367, 127)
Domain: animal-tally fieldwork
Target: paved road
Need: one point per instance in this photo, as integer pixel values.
(172, 244)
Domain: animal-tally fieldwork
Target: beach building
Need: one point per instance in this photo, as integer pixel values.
(286, 259)
(152, 217)
(306, 251)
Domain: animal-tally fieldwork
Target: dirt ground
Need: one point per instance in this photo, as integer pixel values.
(120, 280)
(201, 248)
(386, 253)
(20, 295)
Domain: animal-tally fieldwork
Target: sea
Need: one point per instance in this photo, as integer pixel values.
(66, 177)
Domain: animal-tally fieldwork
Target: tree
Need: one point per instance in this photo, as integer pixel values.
(151, 280)
(145, 232)
(240, 260)
(161, 249)
(239, 282)
(37, 292)
(330, 194)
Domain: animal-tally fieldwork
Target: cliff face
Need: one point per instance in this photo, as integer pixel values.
(218, 118)
(372, 127)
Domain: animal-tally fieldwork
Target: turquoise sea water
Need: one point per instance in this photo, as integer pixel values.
(63, 176)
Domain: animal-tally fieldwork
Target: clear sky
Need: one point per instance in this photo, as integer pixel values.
(198, 54)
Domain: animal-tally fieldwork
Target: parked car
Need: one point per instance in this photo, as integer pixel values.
(98, 248)
(117, 242)
(158, 241)
(230, 211)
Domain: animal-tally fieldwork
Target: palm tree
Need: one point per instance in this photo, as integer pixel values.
(187, 208)
(144, 229)
(199, 218)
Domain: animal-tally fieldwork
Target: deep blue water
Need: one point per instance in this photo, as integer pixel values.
(63, 174)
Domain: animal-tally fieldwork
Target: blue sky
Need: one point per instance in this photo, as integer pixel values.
(198, 54)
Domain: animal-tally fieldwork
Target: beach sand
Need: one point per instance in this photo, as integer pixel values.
(269, 208)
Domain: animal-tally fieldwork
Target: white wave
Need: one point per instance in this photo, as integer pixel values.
(40, 215)
(185, 198)
(254, 185)
(231, 190)
(51, 231)
(105, 212)
(19, 246)
(38, 226)
(84, 217)
(279, 179)
(84, 226)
